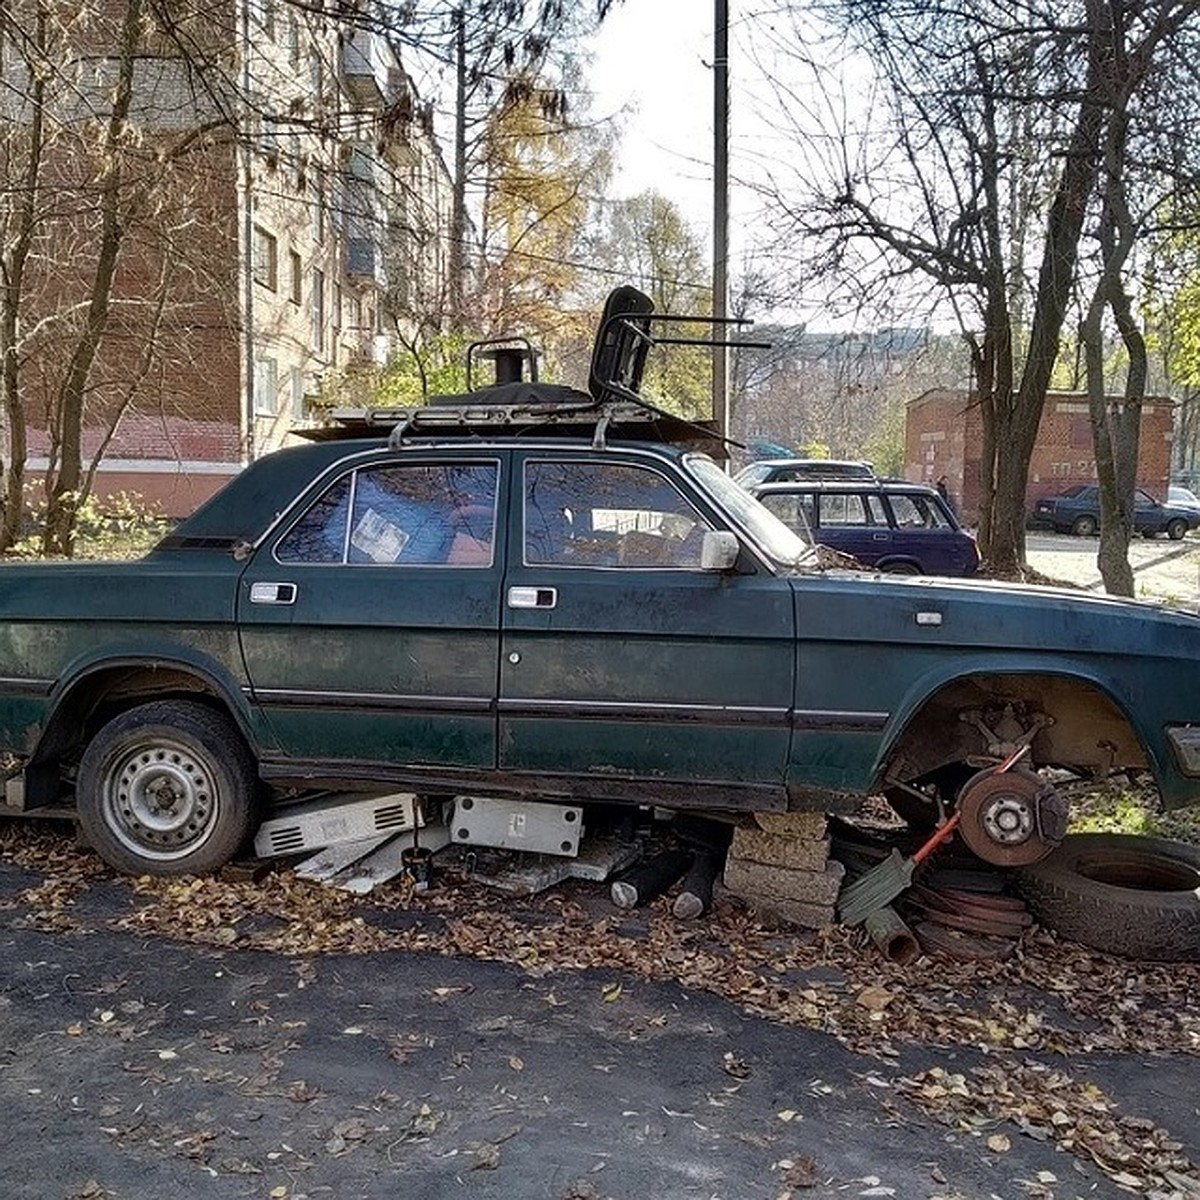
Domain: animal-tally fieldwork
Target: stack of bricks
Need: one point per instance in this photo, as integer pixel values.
(779, 863)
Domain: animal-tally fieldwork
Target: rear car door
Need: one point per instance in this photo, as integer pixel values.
(370, 623)
(624, 665)
(854, 523)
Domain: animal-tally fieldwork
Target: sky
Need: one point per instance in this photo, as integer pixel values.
(652, 69)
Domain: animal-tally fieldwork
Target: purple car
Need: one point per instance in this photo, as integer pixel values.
(905, 528)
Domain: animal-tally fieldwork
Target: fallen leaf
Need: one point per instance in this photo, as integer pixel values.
(732, 1065)
(487, 1157)
(611, 992)
(517, 1063)
(999, 1143)
(874, 998)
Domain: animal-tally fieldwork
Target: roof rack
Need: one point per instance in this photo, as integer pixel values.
(515, 406)
(490, 417)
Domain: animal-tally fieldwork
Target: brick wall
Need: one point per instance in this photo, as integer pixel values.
(944, 436)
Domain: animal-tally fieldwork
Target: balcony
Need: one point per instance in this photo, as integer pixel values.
(366, 64)
(364, 260)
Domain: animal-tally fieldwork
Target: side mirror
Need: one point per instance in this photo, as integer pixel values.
(719, 551)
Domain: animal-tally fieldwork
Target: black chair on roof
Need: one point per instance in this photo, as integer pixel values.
(619, 355)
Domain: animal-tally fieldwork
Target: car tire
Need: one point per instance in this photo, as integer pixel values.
(901, 568)
(167, 788)
(1085, 526)
(1176, 528)
(1138, 897)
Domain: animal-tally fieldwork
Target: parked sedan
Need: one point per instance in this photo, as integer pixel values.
(903, 528)
(1077, 511)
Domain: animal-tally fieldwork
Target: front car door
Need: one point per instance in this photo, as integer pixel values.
(626, 670)
(370, 623)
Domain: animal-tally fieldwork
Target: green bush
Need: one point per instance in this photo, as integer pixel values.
(125, 525)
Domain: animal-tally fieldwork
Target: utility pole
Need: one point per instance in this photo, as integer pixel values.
(458, 211)
(720, 283)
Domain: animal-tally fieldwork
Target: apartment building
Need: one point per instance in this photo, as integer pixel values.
(280, 255)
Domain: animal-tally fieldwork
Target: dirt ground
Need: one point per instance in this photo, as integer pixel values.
(275, 1039)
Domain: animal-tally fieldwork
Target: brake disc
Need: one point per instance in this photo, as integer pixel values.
(1013, 818)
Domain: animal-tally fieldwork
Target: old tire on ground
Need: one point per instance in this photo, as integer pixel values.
(1176, 528)
(1134, 896)
(1085, 526)
(167, 788)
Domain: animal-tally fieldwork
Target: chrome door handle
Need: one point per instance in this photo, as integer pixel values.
(532, 597)
(272, 593)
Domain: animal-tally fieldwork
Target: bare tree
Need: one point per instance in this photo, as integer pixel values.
(982, 155)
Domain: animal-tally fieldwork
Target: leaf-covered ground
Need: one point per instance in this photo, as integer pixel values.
(1041, 1026)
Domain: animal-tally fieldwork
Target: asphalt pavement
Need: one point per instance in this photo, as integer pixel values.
(138, 1067)
(1164, 571)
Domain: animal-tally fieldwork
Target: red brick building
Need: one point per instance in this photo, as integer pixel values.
(944, 436)
(261, 211)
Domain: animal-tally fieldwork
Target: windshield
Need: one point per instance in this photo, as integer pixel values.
(765, 529)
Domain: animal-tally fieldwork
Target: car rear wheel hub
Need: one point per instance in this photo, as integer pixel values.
(160, 799)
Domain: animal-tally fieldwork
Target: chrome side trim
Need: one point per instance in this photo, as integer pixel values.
(607, 710)
(297, 698)
(839, 722)
(23, 686)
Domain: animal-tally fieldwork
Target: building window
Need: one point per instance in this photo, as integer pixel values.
(297, 278)
(318, 311)
(336, 315)
(297, 393)
(293, 41)
(355, 313)
(264, 258)
(266, 385)
(264, 14)
(319, 209)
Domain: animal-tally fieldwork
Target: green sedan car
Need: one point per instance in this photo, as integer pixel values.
(535, 606)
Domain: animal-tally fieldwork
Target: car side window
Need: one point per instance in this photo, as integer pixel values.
(794, 510)
(608, 515)
(418, 514)
(917, 512)
(841, 509)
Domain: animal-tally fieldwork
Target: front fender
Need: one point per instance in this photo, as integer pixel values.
(972, 670)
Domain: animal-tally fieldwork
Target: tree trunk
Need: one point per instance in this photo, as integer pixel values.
(64, 492)
(25, 220)
(1064, 226)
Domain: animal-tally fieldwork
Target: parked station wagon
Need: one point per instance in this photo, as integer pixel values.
(532, 591)
(904, 528)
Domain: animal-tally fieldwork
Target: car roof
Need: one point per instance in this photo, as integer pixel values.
(892, 486)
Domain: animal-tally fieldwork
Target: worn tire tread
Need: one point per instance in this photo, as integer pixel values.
(1159, 926)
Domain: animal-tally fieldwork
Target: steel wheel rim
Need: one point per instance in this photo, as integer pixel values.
(160, 799)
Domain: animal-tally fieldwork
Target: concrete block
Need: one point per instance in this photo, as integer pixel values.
(807, 825)
(755, 881)
(801, 854)
(796, 912)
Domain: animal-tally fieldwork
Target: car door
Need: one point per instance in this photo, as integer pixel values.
(370, 623)
(1148, 515)
(623, 663)
(854, 523)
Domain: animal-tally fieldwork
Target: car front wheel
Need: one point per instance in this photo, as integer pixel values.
(167, 788)
(1084, 526)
